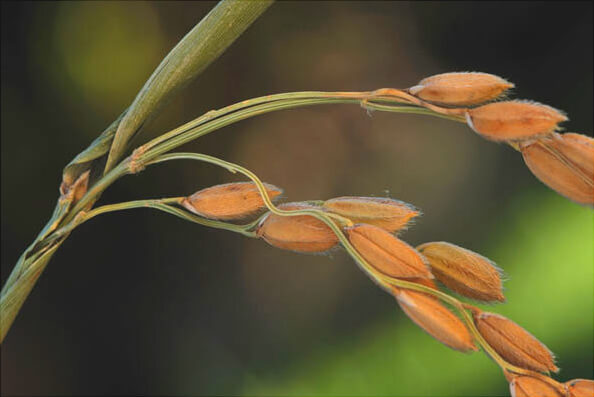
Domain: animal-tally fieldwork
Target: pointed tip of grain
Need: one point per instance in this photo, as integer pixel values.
(415, 89)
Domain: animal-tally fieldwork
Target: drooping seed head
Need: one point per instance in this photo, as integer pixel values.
(528, 386)
(565, 163)
(229, 201)
(463, 271)
(514, 343)
(386, 253)
(437, 320)
(302, 233)
(461, 88)
(514, 120)
(389, 214)
(580, 388)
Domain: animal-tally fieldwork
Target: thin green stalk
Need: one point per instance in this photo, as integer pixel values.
(163, 205)
(213, 114)
(216, 124)
(246, 230)
(198, 128)
(409, 109)
(14, 296)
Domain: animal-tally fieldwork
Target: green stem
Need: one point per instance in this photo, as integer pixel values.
(213, 114)
(217, 119)
(14, 296)
(162, 205)
(411, 110)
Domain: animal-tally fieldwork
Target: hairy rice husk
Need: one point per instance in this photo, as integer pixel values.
(389, 214)
(463, 271)
(514, 120)
(461, 88)
(229, 201)
(433, 317)
(386, 253)
(302, 233)
(514, 343)
(565, 163)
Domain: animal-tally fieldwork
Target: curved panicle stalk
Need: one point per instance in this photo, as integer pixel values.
(364, 227)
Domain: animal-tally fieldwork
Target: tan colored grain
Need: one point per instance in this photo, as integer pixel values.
(565, 163)
(386, 253)
(389, 214)
(302, 233)
(514, 343)
(461, 88)
(433, 317)
(229, 201)
(514, 120)
(463, 271)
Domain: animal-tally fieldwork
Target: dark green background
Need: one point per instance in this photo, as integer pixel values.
(143, 303)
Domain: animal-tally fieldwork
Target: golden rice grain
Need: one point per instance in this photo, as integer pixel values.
(302, 233)
(389, 214)
(229, 201)
(514, 343)
(461, 88)
(514, 120)
(435, 319)
(565, 163)
(464, 271)
(386, 253)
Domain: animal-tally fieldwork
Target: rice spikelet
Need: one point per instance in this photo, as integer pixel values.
(391, 215)
(386, 253)
(435, 319)
(463, 271)
(514, 343)
(302, 233)
(461, 88)
(514, 120)
(565, 163)
(229, 201)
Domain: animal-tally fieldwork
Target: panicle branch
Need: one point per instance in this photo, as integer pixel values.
(424, 279)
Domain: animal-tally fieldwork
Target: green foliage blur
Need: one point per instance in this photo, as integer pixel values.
(143, 303)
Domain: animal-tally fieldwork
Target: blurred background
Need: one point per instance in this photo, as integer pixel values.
(143, 303)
